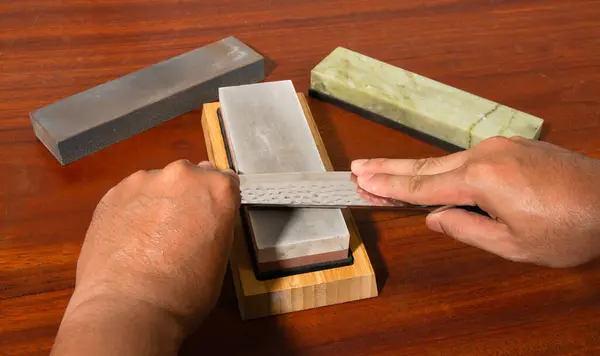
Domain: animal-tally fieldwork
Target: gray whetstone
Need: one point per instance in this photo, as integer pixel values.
(89, 121)
(267, 132)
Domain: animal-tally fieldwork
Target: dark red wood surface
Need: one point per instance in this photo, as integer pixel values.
(438, 297)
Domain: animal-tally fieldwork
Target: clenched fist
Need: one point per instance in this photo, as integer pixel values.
(544, 201)
(153, 260)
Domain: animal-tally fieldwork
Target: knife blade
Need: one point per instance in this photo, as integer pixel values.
(312, 189)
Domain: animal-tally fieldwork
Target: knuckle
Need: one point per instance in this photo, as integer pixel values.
(495, 142)
(224, 190)
(178, 168)
(138, 176)
(179, 164)
(134, 179)
(477, 171)
(423, 163)
(377, 163)
(415, 184)
(518, 138)
(223, 183)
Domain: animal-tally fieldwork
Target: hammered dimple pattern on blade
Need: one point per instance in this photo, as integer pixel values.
(303, 193)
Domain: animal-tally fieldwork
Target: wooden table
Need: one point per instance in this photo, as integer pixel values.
(437, 297)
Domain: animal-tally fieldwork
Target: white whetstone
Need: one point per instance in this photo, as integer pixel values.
(267, 132)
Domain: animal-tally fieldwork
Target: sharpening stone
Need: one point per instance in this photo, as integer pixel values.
(402, 99)
(267, 132)
(89, 121)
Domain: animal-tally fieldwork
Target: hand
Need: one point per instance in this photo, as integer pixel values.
(544, 201)
(158, 244)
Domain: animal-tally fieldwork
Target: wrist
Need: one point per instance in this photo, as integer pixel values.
(116, 324)
(170, 296)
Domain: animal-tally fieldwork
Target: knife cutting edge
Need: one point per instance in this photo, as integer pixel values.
(316, 190)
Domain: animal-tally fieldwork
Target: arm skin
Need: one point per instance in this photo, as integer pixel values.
(152, 262)
(114, 325)
(544, 201)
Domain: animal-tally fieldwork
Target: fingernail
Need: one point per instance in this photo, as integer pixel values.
(433, 223)
(205, 164)
(357, 164)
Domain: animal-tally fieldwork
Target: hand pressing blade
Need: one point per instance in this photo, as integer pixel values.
(316, 190)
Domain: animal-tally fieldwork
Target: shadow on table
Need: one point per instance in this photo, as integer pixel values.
(365, 225)
(370, 238)
(270, 64)
(225, 333)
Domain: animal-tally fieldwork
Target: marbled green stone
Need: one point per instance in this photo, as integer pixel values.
(423, 104)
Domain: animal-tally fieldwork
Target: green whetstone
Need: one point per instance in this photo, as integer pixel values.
(399, 97)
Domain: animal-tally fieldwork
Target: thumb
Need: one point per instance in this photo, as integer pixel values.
(476, 230)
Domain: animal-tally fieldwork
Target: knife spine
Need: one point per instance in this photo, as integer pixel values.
(230, 159)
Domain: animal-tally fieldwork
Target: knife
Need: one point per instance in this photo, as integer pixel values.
(316, 190)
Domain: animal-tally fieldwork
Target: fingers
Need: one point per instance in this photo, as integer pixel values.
(424, 166)
(449, 188)
(207, 165)
(178, 168)
(476, 230)
(204, 166)
(373, 198)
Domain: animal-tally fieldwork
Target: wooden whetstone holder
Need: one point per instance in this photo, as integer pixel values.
(297, 292)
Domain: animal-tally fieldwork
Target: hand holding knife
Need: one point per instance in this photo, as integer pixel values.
(318, 190)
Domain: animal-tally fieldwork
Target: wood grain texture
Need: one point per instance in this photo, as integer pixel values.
(299, 292)
(438, 296)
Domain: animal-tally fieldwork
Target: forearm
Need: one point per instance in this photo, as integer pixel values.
(118, 326)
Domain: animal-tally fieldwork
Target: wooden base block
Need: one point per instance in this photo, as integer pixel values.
(258, 298)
